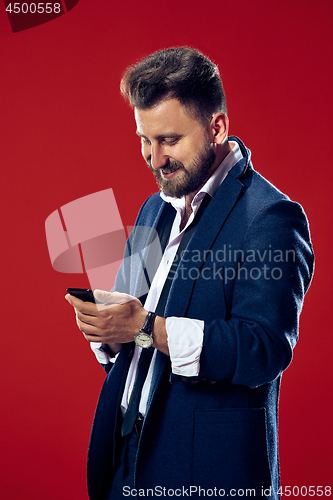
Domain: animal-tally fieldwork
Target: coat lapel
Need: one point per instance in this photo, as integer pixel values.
(202, 240)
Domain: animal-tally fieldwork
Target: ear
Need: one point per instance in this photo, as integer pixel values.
(218, 128)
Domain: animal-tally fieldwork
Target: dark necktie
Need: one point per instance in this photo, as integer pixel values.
(146, 354)
(133, 405)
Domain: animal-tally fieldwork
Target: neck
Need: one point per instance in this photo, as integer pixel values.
(222, 150)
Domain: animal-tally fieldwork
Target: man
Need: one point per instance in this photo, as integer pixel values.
(227, 294)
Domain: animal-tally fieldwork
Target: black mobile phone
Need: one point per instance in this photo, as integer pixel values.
(82, 293)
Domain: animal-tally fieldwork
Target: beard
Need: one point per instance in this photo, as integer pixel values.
(186, 181)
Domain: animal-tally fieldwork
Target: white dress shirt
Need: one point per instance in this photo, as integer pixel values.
(184, 335)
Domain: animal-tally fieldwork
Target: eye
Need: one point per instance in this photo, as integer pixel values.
(171, 142)
(145, 141)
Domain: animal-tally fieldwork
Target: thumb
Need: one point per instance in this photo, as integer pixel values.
(103, 296)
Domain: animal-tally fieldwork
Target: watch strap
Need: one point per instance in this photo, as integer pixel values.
(148, 323)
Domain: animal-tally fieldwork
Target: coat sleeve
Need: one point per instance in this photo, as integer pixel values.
(254, 344)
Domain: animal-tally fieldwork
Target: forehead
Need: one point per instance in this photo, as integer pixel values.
(165, 118)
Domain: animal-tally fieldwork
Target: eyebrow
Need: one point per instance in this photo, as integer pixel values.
(170, 135)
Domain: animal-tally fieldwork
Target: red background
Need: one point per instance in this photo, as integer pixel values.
(65, 132)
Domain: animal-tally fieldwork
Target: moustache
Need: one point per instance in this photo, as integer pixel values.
(168, 168)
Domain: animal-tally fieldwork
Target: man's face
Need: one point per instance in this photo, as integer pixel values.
(176, 147)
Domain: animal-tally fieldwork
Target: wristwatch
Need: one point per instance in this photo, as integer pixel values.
(145, 336)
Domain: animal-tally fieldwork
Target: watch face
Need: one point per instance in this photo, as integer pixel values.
(143, 339)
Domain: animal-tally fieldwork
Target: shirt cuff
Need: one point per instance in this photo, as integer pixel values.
(102, 353)
(185, 340)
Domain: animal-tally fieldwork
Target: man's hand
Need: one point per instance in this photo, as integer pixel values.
(114, 321)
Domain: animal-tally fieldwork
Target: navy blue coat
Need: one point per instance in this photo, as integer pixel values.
(217, 430)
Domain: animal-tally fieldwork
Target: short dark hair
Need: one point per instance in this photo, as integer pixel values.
(182, 73)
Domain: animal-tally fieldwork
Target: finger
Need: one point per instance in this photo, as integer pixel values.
(111, 298)
(87, 308)
(103, 296)
(107, 300)
(89, 319)
(88, 330)
(92, 338)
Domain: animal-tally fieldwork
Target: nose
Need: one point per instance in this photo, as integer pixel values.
(157, 157)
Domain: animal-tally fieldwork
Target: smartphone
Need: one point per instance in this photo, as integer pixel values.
(82, 293)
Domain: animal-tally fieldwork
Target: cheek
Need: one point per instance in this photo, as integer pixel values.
(187, 151)
(145, 151)
(180, 154)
